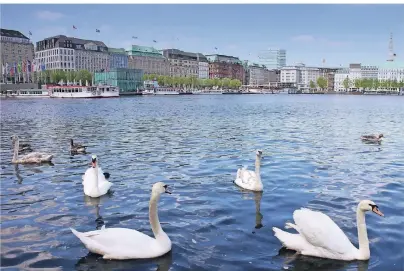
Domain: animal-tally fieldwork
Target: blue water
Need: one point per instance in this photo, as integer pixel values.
(312, 158)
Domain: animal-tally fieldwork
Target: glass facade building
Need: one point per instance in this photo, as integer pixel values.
(126, 79)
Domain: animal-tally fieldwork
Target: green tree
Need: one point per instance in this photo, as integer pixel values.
(358, 84)
(346, 83)
(322, 83)
(312, 84)
(375, 84)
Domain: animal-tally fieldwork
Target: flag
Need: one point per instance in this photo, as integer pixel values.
(3, 69)
(215, 48)
(154, 41)
(43, 67)
(133, 37)
(97, 30)
(74, 27)
(24, 66)
(19, 67)
(29, 66)
(30, 33)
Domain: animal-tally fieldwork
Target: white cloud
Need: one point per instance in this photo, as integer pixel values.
(49, 15)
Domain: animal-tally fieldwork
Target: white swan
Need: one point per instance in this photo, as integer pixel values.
(249, 179)
(122, 243)
(31, 158)
(319, 236)
(94, 182)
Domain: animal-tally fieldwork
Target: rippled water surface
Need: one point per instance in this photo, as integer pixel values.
(312, 158)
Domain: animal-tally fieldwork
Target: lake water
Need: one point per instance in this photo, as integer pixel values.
(312, 158)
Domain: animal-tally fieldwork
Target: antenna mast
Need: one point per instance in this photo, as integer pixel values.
(392, 55)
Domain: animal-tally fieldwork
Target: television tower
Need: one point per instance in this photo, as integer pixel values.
(392, 55)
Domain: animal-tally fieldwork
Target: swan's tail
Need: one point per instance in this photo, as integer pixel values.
(47, 158)
(290, 240)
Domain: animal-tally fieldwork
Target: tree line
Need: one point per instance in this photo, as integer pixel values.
(173, 81)
(360, 83)
(55, 76)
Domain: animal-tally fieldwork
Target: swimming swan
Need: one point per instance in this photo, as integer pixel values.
(94, 181)
(319, 236)
(123, 243)
(33, 157)
(249, 179)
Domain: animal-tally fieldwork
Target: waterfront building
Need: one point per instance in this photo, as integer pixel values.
(308, 74)
(222, 66)
(258, 75)
(15, 47)
(118, 58)
(369, 72)
(148, 59)
(291, 74)
(391, 70)
(272, 58)
(126, 79)
(70, 53)
(186, 64)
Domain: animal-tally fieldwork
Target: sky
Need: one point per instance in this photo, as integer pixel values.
(340, 34)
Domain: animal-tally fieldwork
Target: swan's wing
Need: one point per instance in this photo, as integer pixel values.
(321, 231)
(248, 176)
(39, 155)
(120, 242)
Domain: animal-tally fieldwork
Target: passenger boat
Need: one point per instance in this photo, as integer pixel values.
(152, 88)
(26, 93)
(207, 92)
(79, 91)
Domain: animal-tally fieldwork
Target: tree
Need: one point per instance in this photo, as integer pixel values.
(346, 83)
(322, 83)
(312, 84)
(375, 84)
(358, 84)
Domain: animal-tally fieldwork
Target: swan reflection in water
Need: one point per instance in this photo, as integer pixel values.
(246, 194)
(299, 262)
(17, 174)
(96, 262)
(95, 202)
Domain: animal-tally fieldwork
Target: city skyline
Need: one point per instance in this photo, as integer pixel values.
(340, 34)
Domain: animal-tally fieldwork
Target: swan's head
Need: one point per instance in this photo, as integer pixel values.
(14, 138)
(94, 160)
(160, 188)
(381, 135)
(368, 205)
(259, 153)
(71, 141)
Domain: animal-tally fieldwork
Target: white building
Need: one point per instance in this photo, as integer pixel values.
(388, 71)
(369, 72)
(391, 71)
(203, 70)
(309, 74)
(273, 58)
(69, 53)
(339, 78)
(291, 74)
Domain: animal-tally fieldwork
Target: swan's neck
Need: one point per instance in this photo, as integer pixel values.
(257, 165)
(364, 251)
(16, 147)
(96, 177)
(158, 232)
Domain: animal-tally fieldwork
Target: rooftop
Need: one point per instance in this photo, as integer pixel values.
(144, 51)
(62, 38)
(12, 33)
(117, 50)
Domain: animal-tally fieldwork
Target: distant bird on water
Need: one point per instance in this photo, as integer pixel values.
(372, 138)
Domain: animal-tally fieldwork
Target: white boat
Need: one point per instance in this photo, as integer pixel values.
(160, 91)
(207, 92)
(26, 93)
(78, 91)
